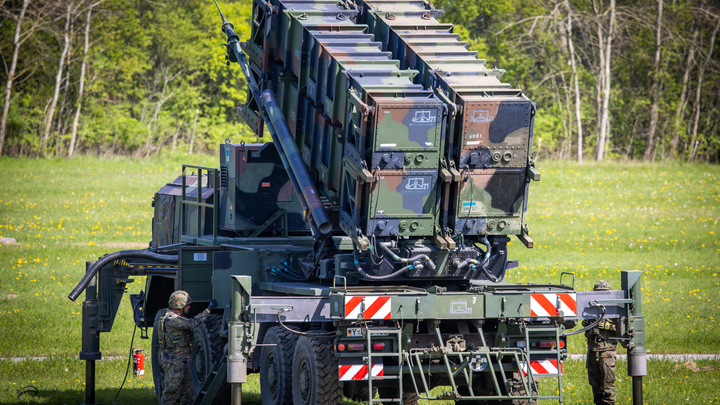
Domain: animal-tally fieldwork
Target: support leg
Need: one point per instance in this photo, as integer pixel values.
(236, 393)
(637, 391)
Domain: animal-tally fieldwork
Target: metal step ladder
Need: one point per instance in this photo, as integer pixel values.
(217, 376)
(554, 351)
(378, 332)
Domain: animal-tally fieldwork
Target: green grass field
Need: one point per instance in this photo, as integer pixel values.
(593, 220)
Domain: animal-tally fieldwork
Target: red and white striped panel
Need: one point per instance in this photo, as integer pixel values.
(549, 304)
(539, 368)
(359, 372)
(375, 307)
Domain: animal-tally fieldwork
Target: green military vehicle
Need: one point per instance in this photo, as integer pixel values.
(362, 253)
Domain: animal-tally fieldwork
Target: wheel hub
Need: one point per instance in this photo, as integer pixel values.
(272, 376)
(200, 362)
(305, 381)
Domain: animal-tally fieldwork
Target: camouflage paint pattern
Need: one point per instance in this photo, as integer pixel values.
(167, 219)
(291, 157)
(495, 133)
(403, 202)
(492, 203)
(400, 124)
(322, 53)
(408, 133)
(256, 186)
(489, 137)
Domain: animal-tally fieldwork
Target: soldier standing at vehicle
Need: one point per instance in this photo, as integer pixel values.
(174, 338)
(601, 355)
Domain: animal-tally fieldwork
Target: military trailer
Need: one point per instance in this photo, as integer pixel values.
(362, 252)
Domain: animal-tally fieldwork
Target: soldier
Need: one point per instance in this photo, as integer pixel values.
(601, 355)
(174, 338)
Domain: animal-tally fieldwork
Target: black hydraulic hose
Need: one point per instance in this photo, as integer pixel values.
(386, 247)
(592, 325)
(289, 329)
(489, 275)
(123, 254)
(475, 265)
(482, 265)
(28, 389)
(385, 277)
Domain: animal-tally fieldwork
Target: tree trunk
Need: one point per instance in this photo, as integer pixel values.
(604, 127)
(158, 107)
(632, 138)
(192, 134)
(573, 65)
(58, 79)
(61, 124)
(175, 136)
(81, 87)
(655, 87)
(11, 75)
(561, 109)
(599, 83)
(680, 112)
(708, 58)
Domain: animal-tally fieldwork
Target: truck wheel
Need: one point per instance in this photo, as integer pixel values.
(315, 378)
(358, 390)
(518, 389)
(276, 366)
(155, 353)
(408, 398)
(476, 390)
(207, 349)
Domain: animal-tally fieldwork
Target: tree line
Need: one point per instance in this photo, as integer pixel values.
(610, 78)
(118, 77)
(633, 79)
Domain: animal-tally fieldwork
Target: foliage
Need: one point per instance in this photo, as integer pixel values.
(152, 64)
(530, 40)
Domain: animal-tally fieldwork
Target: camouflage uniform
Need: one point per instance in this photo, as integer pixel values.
(175, 338)
(601, 355)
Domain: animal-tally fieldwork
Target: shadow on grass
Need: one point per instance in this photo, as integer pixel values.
(134, 396)
(139, 396)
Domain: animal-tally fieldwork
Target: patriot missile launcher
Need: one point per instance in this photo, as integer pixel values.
(362, 252)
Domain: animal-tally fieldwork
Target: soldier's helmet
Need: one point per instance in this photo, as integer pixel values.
(602, 285)
(179, 299)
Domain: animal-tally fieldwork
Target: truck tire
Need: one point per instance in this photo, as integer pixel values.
(155, 352)
(358, 390)
(276, 366)
(408, 398)
(207, 348)
(518, 389)
(315, 378)
(476, 390)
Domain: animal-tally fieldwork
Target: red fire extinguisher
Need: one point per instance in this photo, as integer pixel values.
(138, 362)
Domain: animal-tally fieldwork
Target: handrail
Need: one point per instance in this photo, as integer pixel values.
(198, 202)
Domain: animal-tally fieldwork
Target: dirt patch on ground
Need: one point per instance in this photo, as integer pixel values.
(8, 241)
(692, 366)
(133, 245)
(9, 297)
(120, 245)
